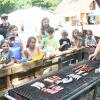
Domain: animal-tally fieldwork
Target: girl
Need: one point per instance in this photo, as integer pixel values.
(6, 56)
(76, 39)
(44, 26)
(31, 49)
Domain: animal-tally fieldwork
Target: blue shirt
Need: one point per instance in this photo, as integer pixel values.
(90, 41)
(16, 50)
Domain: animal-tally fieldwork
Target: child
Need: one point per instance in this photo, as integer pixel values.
(31, 49)
(64, 41)
(89, 41)
(14, 31)
(50, 44)
(6, 56)
(76, 39)
(15, 47)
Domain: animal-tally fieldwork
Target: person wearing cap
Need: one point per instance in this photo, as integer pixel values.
(15, 47)
(4, 26)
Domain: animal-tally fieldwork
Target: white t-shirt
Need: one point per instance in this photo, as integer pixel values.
(1, 38)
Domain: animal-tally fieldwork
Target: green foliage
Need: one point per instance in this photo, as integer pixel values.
(47, 4)
(20, 4)
(7, 6)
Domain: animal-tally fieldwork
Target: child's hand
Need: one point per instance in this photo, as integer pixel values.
(52, 56)
(2, 61)
(4, 65)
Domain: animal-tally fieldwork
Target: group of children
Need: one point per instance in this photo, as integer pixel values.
(12, 50)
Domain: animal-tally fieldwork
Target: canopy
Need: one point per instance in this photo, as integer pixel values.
(30, 18)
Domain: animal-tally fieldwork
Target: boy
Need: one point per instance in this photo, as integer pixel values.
(64, 41)
(50, 44)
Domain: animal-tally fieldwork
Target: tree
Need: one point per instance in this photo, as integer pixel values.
(7, 6)
(47, 4)
(21, 4)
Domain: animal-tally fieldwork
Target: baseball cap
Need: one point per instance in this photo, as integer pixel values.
(11, 36)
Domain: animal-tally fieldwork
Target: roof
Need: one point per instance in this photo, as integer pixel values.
(98, 2)
(74, 6)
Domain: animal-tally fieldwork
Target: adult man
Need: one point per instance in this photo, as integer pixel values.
(5, 25)
(96, 52)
